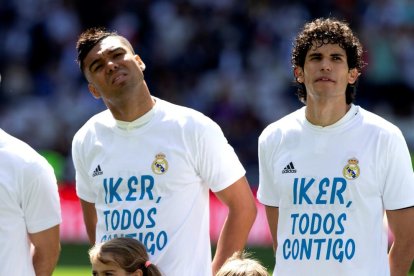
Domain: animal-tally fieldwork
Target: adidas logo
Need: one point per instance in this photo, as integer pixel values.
(97, 171)
(289, 168)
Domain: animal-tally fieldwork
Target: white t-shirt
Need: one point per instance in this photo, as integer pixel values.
(29, 202)
(332, 185)
(150, 180)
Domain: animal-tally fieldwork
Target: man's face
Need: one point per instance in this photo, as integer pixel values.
(111, 68)
(326, 73)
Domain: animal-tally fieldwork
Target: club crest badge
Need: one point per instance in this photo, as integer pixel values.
(160, 164)
(351, 171)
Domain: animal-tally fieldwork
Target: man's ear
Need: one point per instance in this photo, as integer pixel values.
(353, 75)
(140, 62)
(94, 91)
(298, 73)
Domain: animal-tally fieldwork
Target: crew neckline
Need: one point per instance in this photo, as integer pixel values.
(139, 122)
(353, 111)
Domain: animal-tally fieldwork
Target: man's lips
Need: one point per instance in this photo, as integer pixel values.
(324, 79)
(117, 77)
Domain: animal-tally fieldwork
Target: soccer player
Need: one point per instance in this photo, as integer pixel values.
(30, 212)
(330, 170)
(144, 166)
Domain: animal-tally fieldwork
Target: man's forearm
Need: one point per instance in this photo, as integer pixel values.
(233, 237)
(44, 261)
(400, 260)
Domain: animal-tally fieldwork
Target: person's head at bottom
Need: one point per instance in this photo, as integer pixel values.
(241, 264)
(121, 257)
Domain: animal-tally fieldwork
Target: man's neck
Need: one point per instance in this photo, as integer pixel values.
(321, 114)
(134, 107)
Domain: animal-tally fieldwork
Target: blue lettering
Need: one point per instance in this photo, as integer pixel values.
(105, 185)
(328, 250)
(162, 240)
(322, 191)
(152, 211)
(304, 187)
(295, 249)
(295, 191)
(338, 192)
(125, 219)
(149, 237)
(316, 224)
(112, 189)
(319, 249)
(340, 225)
(306, 249)
(151, 241)
(106, 213)
(338, 256)
(350, 243)
(131, 181)
(286, 252)
(150, 180)
(138, 218)
(294, 217)
(304, 223)
(115, 219)
(329, 223)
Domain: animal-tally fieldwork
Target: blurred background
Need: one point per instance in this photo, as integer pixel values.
(226, 58)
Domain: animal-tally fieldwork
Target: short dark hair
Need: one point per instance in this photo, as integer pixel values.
(328, 31)
(92, 36)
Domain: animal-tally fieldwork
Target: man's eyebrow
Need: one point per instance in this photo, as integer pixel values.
(332, 55)
(337, 55)
(315, 55)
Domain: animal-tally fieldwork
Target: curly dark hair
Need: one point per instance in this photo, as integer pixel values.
(323, 31)
(92, 36)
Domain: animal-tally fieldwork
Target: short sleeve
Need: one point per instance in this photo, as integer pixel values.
(267, 190)
(398, 190)
(217, 161)
(83, 187)
(40, 200)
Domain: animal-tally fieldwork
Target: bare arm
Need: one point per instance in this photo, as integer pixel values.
(46, 250)
(90, 218)
(272, 215)
(239, 199)
(401, 255)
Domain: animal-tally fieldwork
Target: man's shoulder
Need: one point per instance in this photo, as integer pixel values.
(18, 152)
(182, 114)
(101, 119)
(376, 121)
(284, 124)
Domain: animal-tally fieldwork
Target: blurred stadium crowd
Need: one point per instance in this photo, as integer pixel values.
(227, 58)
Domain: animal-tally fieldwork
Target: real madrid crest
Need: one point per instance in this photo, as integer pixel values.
(351, 171)
(160, 164)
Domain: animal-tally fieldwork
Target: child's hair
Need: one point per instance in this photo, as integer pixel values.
(128, 253)
(241, 264)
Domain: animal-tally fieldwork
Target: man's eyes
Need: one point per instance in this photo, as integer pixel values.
(96, 68)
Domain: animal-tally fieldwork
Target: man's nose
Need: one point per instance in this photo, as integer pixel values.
(326, 65)
(111, 66)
